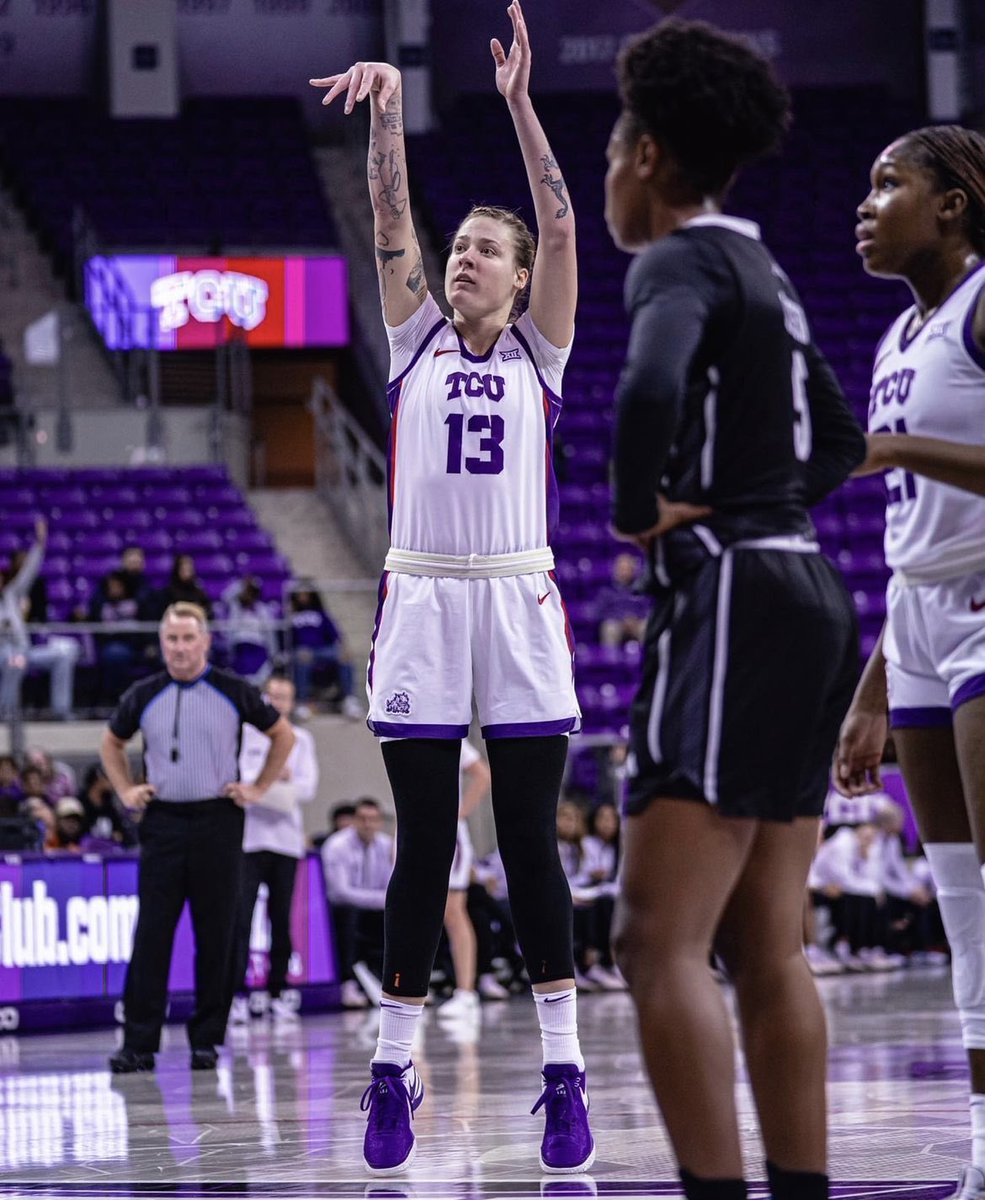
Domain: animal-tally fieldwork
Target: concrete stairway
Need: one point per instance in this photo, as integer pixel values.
(28, 290)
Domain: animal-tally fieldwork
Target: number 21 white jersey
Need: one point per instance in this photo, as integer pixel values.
(469, 457)
(932, 383)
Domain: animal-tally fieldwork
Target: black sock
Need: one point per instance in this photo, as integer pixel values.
(796, 1185)
(712, 1189)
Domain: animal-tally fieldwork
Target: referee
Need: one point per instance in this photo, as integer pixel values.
(191, 834)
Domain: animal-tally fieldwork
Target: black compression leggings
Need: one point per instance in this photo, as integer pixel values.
(526, 780)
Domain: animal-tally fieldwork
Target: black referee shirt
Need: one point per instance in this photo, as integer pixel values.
(191, 730)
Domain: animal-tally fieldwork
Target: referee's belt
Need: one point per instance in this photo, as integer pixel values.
(469, 566)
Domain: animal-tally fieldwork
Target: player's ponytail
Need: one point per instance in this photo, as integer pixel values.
(955, 156)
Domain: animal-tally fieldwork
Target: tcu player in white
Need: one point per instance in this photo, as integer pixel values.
(469, 607)
(924, 221)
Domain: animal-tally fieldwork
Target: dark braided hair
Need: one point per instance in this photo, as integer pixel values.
(710, 99)
(955, 157)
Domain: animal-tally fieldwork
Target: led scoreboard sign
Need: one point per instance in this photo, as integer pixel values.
(168, 302)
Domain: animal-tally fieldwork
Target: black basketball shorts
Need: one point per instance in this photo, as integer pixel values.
(749, 667)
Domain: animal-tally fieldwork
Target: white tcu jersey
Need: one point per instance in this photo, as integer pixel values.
(932, 384)
(469, 455)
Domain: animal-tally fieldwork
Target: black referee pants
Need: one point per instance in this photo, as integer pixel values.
(277, 871)
(188, 851)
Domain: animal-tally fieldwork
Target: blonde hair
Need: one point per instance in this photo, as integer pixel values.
(184, 610)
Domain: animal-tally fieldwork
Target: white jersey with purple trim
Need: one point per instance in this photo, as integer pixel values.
(932, 383)
(469, 457)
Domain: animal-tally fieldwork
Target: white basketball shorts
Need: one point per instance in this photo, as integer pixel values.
(935, 649)
(438, 642)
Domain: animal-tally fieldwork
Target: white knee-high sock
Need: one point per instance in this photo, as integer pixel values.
(557, 1013)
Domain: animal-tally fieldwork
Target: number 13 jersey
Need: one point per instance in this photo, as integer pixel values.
(469, 459)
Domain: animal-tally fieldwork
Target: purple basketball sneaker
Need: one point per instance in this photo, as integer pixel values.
(568, 1145)
(390, 1100)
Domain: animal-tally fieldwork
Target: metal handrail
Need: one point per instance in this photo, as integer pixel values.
(350, 476)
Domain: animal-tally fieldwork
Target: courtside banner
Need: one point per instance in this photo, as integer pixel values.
(180, 302)
(66, 932)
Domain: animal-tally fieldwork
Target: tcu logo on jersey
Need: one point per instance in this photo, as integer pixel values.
(398, 703)
(474, 385)
(894, 386)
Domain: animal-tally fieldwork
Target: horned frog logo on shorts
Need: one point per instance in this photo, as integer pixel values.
(398, 703)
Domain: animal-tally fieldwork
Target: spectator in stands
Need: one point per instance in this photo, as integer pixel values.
(847, 877)
(17, 654)
(183, 586)
(57, 777)
(69, 827)
(317, 644)
(105, 816)
(116, 651)
(907, 897)
(33, 785)
(601, 867)
(35, 603)
(473, 786)
(343, 817)
(41, 813)
(11, 789)
(250, 636)
(620, 609)
(571, 834)
(358, 862)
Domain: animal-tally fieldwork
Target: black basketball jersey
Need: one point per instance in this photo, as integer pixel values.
(724, 399)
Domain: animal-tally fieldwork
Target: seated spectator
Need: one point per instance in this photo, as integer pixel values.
(116, 650)
(622, 611)
(17, 653)
(33, 785)
(57, 777)
(251, 638)
(908, 898)
(358, 862)
(183, 584)
(11, 791)
(473, 786)
(106, 818)
(42, 814)
(317, 645)
(343, 817)
(846, 879)
(571, 833)
(69, 827)
(498, 960)
(600, 866)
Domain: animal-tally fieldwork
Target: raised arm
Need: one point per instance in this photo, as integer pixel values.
(554, 287)
(399, 263)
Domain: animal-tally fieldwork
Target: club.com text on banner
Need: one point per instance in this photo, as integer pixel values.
(41, 931)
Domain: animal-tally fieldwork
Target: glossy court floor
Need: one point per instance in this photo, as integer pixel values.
(281, 1116)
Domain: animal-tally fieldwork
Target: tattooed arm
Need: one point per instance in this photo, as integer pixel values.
(554, 287)
(403, 287)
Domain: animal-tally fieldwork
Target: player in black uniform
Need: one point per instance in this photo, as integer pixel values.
(729, 424)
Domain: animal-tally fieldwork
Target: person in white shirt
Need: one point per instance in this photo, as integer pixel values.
(358, 862)
(847, 877)
(473, 776)
(273, 841)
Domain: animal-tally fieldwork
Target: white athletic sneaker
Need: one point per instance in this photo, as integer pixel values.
(583, 983)
(239, 1011)
(491, 989)
(604, 979)
(282, 1012)
(876, 959)
(971, 1185)
(462, 1004)
(821, 961)
(353, 995)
